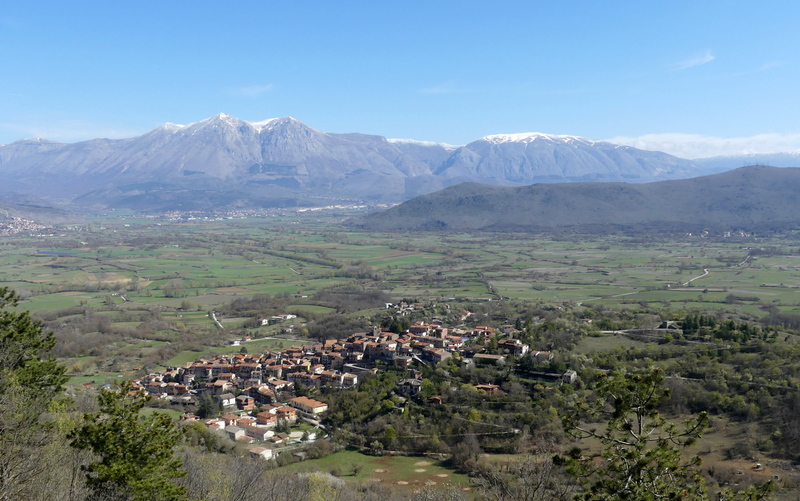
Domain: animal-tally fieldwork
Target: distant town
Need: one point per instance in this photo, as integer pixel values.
(259, 393)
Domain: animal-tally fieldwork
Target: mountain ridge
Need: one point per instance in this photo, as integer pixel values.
(284, 158)
(750, 198)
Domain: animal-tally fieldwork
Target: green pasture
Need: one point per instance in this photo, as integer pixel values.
(58, 301)
(96, 381)
(211, 263)
(413, 472)
(310, 308)
(606, 342)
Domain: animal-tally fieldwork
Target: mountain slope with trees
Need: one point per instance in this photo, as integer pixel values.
(752, 198)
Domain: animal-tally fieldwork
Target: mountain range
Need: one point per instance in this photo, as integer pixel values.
(755, 198)
(225, 162)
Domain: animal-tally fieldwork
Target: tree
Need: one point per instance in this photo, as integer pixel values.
(530, 478)
(208, 406)
(642, 452)
(30, 380)
(136, 458)
(24, 348)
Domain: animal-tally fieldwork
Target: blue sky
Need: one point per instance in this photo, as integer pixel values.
(696, 77)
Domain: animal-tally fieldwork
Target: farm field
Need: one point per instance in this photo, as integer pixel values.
(213, 263)
(149, 287)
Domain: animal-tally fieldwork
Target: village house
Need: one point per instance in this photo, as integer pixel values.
(349, 380)
(570, 376)
(215, 424)
(488, 359)
(267, 418)
(490, 389)
(409, 387)
(260, 452)
(279, 438)
(227, 400)
(402, 361)
(436, 355)
(309, 405)
(247, 370)
(230, 419)
(279, 384)
(217, 369)
(283, 316)
(259, 433)
(261, 395)
(245, 403)
(515, 346)
(235, 433)
(285, 413)
(542, 356)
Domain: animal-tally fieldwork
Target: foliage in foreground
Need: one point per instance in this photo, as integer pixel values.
(29, 382)
(136, 454)
(642, 457)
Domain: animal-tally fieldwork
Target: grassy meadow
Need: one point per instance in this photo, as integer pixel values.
(408, 472)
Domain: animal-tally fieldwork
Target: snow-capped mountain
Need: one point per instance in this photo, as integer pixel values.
(283, 158)
(536, 157)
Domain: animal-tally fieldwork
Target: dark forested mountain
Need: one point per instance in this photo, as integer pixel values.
(224, 161)
(750, 198)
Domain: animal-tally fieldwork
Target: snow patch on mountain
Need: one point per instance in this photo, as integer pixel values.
(449, 147)
(171, 127)
(263, 124)
(529, 137)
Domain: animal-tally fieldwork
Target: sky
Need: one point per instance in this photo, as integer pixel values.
(694, 78)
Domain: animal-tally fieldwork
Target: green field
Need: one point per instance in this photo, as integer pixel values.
(157, 281)
(212, 263)
(411, 472)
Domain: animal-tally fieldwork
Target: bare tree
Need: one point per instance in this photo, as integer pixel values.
(534, 478)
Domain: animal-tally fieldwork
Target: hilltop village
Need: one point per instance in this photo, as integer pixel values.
(260, 394)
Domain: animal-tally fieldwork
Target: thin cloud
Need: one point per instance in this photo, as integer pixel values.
(443, 89)
(699, 146)
(697, 60)
(254, 91)
(764, 67)
(770, 65)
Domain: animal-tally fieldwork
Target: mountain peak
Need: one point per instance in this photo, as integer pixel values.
(220, 121)
(288, 121)
(36, 140)
(170, 127)
(224, 117)
(529, 137)
(446, 146)
(284, 124)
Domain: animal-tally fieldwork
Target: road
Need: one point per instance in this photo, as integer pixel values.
(214, 318)
(705, 272)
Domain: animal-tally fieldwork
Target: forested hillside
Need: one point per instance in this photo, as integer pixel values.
(749, 198)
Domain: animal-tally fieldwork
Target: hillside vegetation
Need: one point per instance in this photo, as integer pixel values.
(750, 198)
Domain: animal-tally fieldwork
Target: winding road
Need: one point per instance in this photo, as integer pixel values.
(705, 272)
